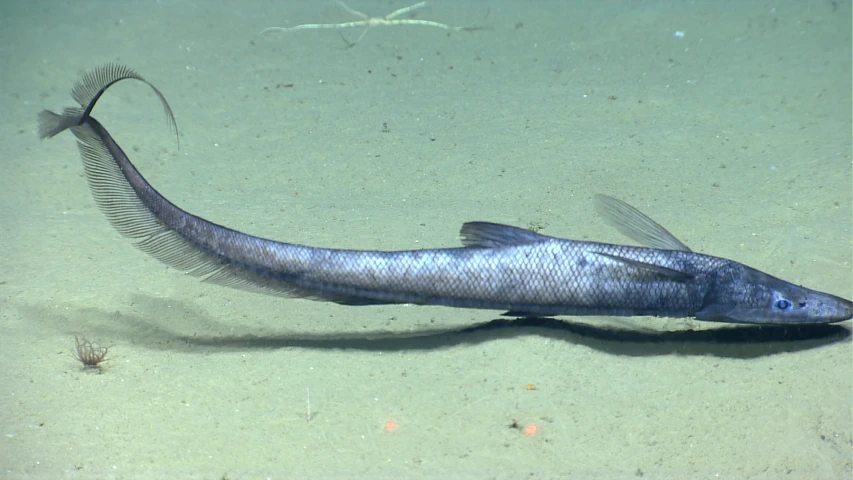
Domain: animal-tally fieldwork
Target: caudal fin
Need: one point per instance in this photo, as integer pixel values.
(51, 123)
(87, 91)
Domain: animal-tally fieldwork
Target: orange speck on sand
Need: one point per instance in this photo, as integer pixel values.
(530, 430)
(390, 426)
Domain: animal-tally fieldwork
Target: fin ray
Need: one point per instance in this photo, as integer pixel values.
(494, 235)
(671, 273)
(636, 225)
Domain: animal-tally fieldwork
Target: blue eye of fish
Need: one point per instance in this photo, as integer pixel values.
(783, 304)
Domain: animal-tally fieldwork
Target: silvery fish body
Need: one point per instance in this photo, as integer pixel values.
(499, 266)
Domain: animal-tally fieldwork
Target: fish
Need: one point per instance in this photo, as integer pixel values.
(498, 267)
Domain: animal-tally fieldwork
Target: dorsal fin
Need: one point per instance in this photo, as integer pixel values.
(635, 225)
(493, 235)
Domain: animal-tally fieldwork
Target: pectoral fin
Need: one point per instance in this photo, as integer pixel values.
(671, 273)
(717, 312)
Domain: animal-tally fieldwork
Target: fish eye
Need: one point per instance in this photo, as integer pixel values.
(782, 304)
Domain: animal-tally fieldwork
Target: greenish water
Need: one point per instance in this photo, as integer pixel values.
(728, 123)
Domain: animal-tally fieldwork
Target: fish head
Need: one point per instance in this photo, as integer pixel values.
(741, 294)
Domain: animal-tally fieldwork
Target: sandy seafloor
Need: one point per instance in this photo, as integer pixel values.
(735, 135)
